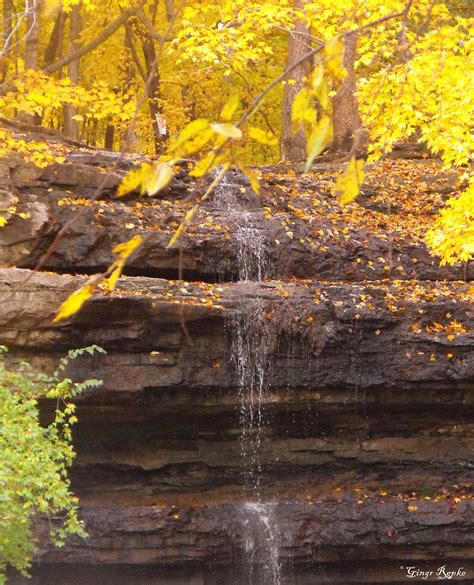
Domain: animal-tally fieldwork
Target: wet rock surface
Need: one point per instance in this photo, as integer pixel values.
(365, 457)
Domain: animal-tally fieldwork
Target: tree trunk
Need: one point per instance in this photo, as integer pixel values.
(169, 9)
(293, 145)
(106, 33)
(347, 124)
(54, 47)
(32, 46)
(109, 137)
(33, 26)
(153, 88)
(71, 127)
(55, 40)
(7, 8)
(127, 137)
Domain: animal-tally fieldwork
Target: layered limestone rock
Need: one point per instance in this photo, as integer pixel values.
(296, 225)
(364, 398)
(357, 345)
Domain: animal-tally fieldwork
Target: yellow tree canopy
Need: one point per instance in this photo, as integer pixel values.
(203, 80)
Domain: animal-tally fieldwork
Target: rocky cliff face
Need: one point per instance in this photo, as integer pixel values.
(304, 392)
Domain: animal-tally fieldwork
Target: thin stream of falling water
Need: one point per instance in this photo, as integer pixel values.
(251, 250)
(250, 349)
(251, 246)
(249, 330)
(251, 345)
(262, 541)
(251, 354)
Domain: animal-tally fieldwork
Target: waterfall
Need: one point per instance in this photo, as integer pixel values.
(262, 544)
(250, 355)
(249, 241)
(252, 341)
(251, 348)
(252, 255)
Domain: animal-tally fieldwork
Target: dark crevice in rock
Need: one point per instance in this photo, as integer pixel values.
(184, 275)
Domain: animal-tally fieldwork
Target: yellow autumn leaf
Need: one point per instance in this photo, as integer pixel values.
(149, 178)
(206, 164)
(452, 235)
(348, 185)
(219, 141)
(184, 224)
(114, 276)
(262, 136)
(226, 129)
(189, 131)
(317, 140)
(230, 108)
(51, 6)
(125, 249)
(252, 177)
(134, 180)
(74, 302)
(196, 143)
(310, 115)
(317, 77)
(322, 95)
(333, 59)
(160, 175)
(301, 103)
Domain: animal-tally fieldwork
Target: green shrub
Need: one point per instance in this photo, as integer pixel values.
(34, 459)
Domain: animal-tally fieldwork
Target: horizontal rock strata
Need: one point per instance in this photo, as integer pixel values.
(364, 343)
(365, 398)
(296, 228)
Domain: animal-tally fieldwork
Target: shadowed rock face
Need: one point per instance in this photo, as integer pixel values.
(365, 447)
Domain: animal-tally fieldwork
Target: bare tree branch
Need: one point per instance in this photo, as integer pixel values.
(150, 29)
(91, 45)
(133, 50)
